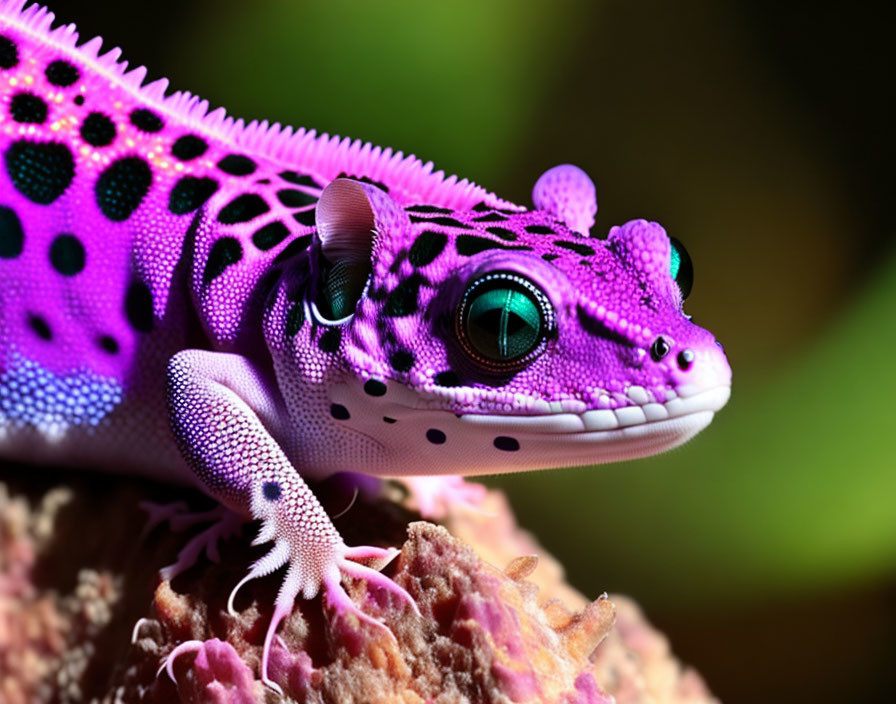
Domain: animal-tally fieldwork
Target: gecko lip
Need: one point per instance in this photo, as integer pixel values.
(602, 420)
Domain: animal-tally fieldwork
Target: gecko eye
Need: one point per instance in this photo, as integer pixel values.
(503, 320)
(681, 269)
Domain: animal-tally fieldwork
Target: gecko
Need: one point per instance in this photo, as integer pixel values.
(241, 307)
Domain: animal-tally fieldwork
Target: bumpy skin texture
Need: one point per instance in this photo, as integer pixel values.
(204, 301)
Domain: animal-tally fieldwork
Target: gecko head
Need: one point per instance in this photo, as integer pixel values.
(483, 340)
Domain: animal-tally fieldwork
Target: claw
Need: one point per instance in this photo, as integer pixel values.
(227, 524)
(189, 646)
(377, 579)
(157, 514)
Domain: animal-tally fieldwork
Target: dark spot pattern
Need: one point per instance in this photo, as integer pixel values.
(146, 120)
(67, 254)
(298, 179)
(330, 340)
(299, 244)
(387, 419)
(98, 130)
(61, 73)
(449, 222)
(426, 248)
(78, 100)
(122, 187)
(401, 360)
(40, 327)
(9, 54)
(27, 108)
(436, 436)
(224, 252)
(550, 257)
(448, 379)
(429, 209)
(40, 171)
(190, 193)
(482, 207)
(242, 209)
(292, 198)
(236, 165)
(188, 147)
(306, 218)
(366, 179)
(108, 344)
(138, 307)
(402, 300)
(295, 319)
(576, 247)
(339, 412)
(502, 232)
(491, 217)
(374, 387)
(270, 235)
(468, 245)
(506, 443)
(271, 491)
(12, 236)
(540, 230)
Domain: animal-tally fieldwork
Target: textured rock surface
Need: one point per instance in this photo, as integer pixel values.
(75, 576)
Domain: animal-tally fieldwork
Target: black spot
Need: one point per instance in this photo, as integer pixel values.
(366, 179)
(306, 218)
(122, 187)
(40, 327)
(146, 120)
(299, 244)
(61, 73)
(401, 361)
(491, 217)
(108, 344)
(224, 252)
(502, 232)
(263, 182)
(41, 171)
(138, 307)
(330, 340)
(436, 437)
(402, 300)
(67, 255)
(549, 257)
(236, 165)
(429, 209)
(78, 100)
(540, 230)
(507, 444)
(298, 179)
(339, 412)
(427, 247)
(98, 130)
(271, 491)
(373, 387)
(449, 222)
(448, 378)
(242, 209)
(12, 237)
(190, 193)
(582, 249)
(188, 147)
(295, 319)
(293, 198)
(270, 235)
(9, 55)
(481, 207)
(468, 245)
(387, 419)
(28, 108)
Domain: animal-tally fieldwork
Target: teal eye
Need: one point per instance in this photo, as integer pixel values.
(681, 269)
(503, 319)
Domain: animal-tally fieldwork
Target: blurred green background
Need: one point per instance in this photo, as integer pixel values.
(759, 133)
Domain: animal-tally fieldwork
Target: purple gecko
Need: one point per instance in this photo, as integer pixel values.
(240, 306)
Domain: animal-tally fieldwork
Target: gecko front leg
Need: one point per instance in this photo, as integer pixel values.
(225, 415)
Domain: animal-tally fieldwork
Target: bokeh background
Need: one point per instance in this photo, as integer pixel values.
(761, 134)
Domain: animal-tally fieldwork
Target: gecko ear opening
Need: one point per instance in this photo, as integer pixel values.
(350, 215)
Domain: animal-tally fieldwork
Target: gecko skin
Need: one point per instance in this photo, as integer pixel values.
(208, 302)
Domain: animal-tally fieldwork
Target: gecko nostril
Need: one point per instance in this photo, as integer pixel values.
(659, 349)
(685, 359)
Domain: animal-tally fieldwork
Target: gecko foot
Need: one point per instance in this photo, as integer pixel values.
(189, 646)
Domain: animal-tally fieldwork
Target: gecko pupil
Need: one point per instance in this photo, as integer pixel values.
(502, 319)
(680, 267)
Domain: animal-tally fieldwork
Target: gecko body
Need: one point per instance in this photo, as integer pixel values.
(241, 306)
